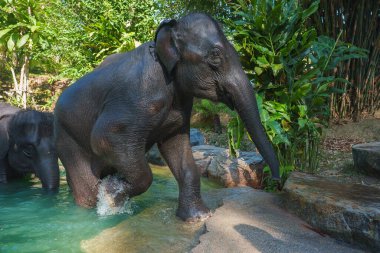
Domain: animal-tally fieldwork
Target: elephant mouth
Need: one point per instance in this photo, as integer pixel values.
(227, 100)
(225, 97)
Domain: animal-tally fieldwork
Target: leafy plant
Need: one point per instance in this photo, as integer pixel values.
(358, 23)
(291, 69)
(23, 31)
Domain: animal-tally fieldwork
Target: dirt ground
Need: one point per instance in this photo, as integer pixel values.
(336, 154)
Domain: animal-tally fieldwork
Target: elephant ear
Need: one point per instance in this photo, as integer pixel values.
(4, 138)
(166, 49)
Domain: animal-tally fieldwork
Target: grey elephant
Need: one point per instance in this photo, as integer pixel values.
(108, 119)
(27, 146)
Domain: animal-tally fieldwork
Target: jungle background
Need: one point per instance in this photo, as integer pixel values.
(314, 64)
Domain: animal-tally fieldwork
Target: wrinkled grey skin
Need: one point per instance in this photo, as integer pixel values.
(27, 146)
(109, 118)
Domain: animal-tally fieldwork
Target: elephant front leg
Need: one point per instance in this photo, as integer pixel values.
(178, 155)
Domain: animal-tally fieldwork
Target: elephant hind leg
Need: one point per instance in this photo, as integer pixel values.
(77, 163)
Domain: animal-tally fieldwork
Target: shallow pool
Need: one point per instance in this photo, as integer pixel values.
(31, 221)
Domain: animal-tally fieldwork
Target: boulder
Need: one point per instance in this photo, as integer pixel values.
(366, 158)
(216, 163)
(196, 137)
(153, 156)
(350, 212)
(204, 154)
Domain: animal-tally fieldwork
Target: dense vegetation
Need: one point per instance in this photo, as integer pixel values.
(310, 61)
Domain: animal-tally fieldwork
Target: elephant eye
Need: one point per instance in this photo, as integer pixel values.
(215, 57)
(27, 151)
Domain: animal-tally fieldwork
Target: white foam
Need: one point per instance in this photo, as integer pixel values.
(106, 204)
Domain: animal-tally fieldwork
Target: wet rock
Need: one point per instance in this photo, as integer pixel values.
(216, 163)
(153, 156)
(204, 154)
(350, 212)
(366, 157)
(196, 137)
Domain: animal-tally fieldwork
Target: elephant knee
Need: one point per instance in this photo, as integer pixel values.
(141, 184)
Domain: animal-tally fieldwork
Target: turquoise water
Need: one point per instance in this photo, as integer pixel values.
(32, 221)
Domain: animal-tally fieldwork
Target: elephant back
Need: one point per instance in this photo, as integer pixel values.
(7, 110)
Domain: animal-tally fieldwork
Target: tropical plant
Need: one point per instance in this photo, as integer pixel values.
(290, 67)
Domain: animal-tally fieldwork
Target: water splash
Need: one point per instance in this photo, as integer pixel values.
(112, 197)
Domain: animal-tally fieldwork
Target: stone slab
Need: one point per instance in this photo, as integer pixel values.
(253, 221)
(366, 158)
(350, 212)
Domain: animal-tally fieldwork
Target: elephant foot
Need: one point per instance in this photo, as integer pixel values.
(194, 213)
(112, 196)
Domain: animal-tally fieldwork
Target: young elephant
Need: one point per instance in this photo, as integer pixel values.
(109, 118)
(27, 146)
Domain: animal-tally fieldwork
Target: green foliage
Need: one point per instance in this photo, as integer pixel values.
(209, 108)
(99, 28)
(177, 9)
(290, 67)
(23, 32)
(23, 25)
(235, 131)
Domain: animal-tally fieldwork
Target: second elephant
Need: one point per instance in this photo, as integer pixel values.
(27, 146)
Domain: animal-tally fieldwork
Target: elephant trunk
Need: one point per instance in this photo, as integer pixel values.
(47, 171)
(244, 101)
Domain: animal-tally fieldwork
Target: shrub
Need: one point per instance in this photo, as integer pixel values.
(290, 67)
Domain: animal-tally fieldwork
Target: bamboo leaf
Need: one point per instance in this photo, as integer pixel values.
(312, 9)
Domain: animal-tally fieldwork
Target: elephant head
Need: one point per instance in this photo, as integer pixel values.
(32, 147)
(202, 63)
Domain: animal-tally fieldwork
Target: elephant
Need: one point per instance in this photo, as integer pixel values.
(27, 146)
(108, 119)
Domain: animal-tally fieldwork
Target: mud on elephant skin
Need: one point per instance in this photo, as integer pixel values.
(27, 146)
(109, 118)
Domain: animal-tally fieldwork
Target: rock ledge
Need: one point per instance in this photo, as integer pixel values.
(350, 212)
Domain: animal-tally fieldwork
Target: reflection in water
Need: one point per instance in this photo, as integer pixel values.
(31, 221)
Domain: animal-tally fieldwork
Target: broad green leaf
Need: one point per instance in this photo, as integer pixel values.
(263, 50)
(21, 42)
(302, 122)
(10, 43)
(276, 68)
(4, 31)
(258, 70)
(312, 9)
(302, 110)
(34, 28)
(262, 62)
